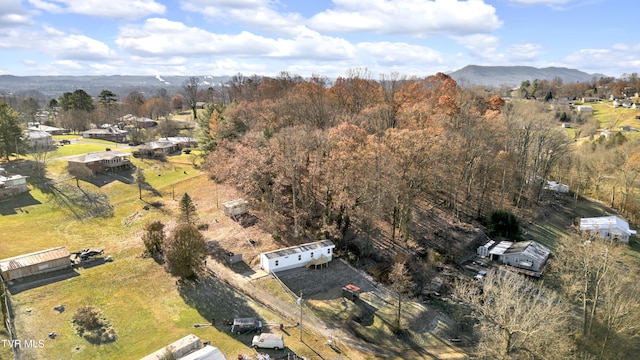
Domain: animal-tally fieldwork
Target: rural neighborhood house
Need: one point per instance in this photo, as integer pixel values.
(527, 255)
(310, 254)
(607, 227)
(99, 162)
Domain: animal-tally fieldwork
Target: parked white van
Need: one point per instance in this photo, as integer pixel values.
(268, 341)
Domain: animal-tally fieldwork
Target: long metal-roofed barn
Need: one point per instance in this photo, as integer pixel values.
(35, 263)
(309, 254)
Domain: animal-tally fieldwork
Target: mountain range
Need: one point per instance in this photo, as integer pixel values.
(513, 76)
(48, 87)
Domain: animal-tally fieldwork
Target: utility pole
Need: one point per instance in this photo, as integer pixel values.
(299, 301)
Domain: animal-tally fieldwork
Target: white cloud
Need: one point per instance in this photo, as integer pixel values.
(12, 14)
(481, 46)
(257, 13)
(540, 2)
(523, 52)
(158, 37)
(612, 62)
(413, 17)
(388, 54)
(57, 44)
(127, 9)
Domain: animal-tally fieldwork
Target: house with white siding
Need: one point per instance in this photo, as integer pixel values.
(310, 254)
(529, 256)
(607, 227)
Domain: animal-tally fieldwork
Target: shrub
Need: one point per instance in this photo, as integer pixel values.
(504, 223)
(93, 326)
(185, 251)
(153, 237)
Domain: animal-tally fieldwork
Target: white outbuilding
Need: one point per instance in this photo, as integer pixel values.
(310, 254)
(607, 227)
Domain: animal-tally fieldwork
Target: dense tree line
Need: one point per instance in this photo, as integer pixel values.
(365, 151)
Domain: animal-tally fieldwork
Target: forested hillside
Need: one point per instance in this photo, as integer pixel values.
(360, 159)
(405, 172)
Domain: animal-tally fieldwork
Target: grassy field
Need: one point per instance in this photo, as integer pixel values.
(146, 306)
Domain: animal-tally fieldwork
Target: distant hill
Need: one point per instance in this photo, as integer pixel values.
(513, 76)
(121, 85)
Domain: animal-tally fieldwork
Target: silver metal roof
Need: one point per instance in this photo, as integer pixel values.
(299, 249)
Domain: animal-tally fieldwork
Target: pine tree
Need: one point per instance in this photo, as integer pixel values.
(187, 210)
(11, 132)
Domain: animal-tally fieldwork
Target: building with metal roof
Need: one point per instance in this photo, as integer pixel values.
(526, 255)
(607, 227)
(35, 263)
(297, 256)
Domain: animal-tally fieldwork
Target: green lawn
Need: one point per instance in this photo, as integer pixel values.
(146, 307)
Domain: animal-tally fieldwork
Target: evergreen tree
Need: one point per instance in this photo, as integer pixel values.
(11, 133)
(187, 210)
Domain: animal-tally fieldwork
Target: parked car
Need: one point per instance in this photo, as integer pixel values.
(268, 341)
(65, 142)
(245, 325)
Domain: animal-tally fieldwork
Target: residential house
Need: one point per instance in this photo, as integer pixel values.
(35, 263)
(586, 109)
(557, 187)
(529, 256)
(99, 162)
(158, 148)
(607, 227)
(137, 121)
(111, 133)
(50, 129)
(293, 257)
(39, 139)
(11, 185)
(183, 141)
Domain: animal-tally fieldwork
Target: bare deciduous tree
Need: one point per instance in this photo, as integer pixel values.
(402, 284)
(518, 318)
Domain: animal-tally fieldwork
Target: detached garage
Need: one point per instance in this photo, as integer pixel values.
(35, 263)
(310, 254)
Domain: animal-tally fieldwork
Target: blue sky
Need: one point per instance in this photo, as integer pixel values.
(306, 37)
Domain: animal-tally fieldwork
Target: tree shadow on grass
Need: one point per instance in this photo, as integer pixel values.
(12, 205)
(215, 299)
(82, 204)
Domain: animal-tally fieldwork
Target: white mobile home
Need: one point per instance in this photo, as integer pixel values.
(177, 349)
(297, 256)
(607, 227)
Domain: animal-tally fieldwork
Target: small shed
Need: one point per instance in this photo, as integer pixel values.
(35, 263)
(607, 227)
(351, 292)
(235, 207)
(297, 256)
